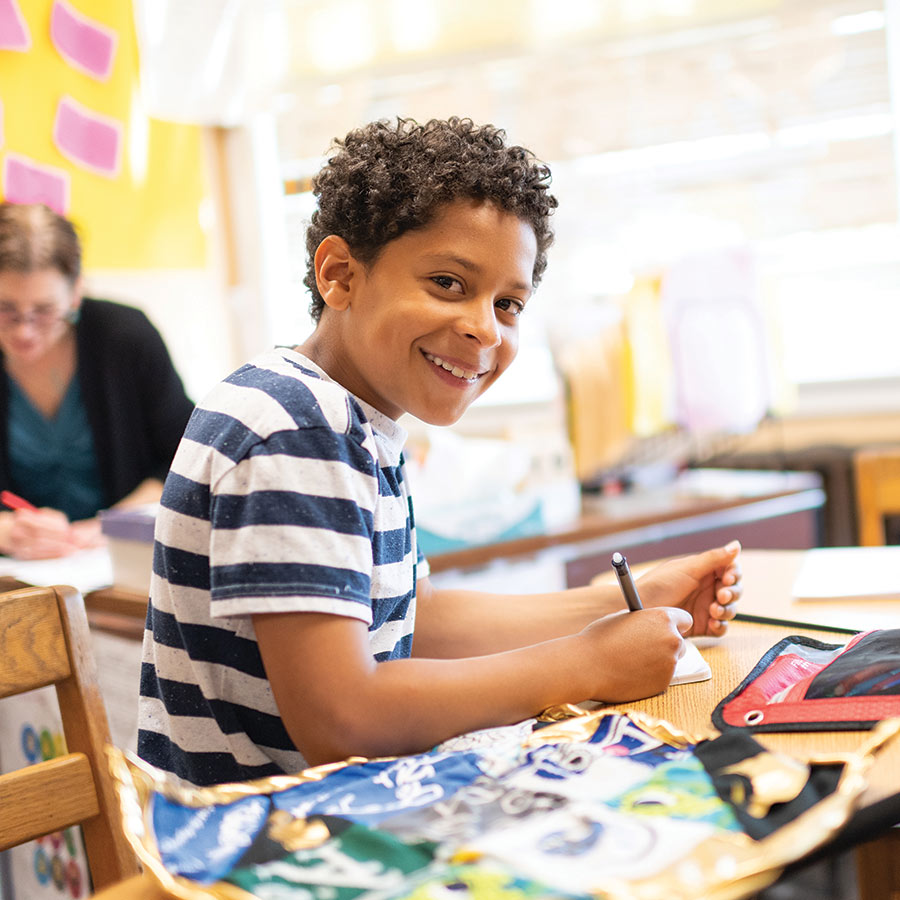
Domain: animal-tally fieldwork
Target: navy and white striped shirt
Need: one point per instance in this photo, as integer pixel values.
(286, 494)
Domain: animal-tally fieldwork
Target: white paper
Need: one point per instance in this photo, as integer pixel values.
(86, 570)
(845, 573)
(691, 667)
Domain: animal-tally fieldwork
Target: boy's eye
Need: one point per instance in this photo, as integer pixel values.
(507, 304)
(448, 283)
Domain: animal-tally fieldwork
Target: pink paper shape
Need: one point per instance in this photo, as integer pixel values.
(86, 138)
(26, 181)
(13, 30)
(82, 42)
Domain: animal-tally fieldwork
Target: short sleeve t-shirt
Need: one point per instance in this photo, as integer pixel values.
(287, 493)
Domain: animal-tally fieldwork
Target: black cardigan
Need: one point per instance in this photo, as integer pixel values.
(134, 399)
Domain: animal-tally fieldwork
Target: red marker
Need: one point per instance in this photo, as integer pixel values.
(14, 501)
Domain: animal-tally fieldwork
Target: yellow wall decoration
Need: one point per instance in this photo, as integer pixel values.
(74, 134)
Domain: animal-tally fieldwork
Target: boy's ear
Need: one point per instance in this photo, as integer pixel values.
(335, 267)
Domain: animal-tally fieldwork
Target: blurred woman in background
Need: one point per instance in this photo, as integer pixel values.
(91, 407)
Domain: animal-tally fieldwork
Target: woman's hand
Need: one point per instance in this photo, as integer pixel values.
(36, 534)
(86, 533)
(707, 585)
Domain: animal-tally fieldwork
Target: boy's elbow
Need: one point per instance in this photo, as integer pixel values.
(325, 755)
(322, 749)
(336, 736)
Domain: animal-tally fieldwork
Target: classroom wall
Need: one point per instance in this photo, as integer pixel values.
(145, 193)
(593, 99)
(191, 311)
(241, 302)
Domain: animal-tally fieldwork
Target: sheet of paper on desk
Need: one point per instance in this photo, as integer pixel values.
(848, 573)
(86, 570)
(691, 667)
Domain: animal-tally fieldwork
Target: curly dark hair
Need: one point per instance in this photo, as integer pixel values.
(387, 178)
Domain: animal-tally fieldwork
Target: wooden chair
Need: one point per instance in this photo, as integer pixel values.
(877, 479)
(44, 640)
(877, 475)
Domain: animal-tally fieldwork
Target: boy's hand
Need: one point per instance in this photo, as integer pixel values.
(635, 652)
(707, 585)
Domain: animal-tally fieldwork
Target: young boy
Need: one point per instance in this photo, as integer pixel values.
(292, 621)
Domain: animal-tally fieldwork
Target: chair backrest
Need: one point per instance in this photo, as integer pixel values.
(44, 640)
(877, 475)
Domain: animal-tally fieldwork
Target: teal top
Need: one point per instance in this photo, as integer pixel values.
(52, 461)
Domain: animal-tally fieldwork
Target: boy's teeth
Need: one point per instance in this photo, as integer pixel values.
(455, 370)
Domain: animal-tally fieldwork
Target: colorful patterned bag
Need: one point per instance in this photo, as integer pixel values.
(598, 804)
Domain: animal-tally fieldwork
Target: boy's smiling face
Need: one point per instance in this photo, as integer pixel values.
(433, 322)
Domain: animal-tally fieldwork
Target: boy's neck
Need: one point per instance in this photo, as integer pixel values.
(323, 347)
(316, 349)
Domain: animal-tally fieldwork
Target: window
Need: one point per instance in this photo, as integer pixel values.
(673, 128)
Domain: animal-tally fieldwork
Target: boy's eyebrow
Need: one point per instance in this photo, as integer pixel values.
(471, 266)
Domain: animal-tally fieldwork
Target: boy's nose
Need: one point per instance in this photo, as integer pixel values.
(479, 321)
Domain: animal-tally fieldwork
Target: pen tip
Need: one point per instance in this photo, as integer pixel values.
(617, 558)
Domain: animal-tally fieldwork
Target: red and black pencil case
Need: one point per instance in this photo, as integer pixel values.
(802, 684)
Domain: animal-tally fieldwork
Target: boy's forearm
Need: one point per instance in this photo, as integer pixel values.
(408, 706)
(336, 701)
(451, 624)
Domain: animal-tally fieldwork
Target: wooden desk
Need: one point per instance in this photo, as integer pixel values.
(759, 508)
(762, 509)
(117, 601)
(768, 579)
(779, 568)
(768, 576)
(117, 611)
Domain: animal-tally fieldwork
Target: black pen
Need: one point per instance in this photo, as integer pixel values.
(626, 582)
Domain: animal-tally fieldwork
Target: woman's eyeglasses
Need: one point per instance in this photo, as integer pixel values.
(40, 317)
